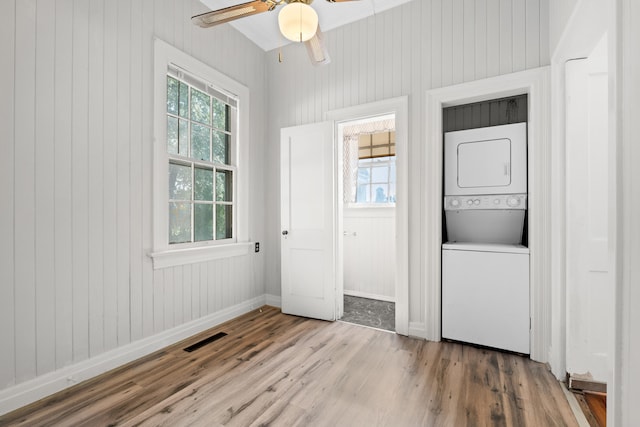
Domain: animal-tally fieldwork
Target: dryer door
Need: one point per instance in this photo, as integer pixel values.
(484, 163)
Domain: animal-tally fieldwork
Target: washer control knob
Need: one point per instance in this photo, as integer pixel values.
(496, 201)
(455, 203)
(476, 202)
(513, 201)
(469, 202)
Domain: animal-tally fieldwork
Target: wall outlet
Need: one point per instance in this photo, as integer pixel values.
(257, 249)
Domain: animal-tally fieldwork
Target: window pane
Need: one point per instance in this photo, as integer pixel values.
(172, 135)
(380, 174)
(183, 138)
(203, 219)
(220, 115)
(220, 147)
(200, 107)
(392, 193)
(224, 186)
(200, 142)
(224, 221)
(363, 195)
(381, 193)
(184, 100)
(172, 95)
(179, 182)
(364, 175)
(392, 172)
(179, 222)
(203, 189)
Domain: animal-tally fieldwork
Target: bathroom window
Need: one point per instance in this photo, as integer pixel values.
(370, 163)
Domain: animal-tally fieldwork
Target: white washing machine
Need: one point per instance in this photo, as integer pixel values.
(485, 269)
(485, 295)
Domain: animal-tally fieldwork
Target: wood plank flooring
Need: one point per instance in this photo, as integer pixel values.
(279, 370)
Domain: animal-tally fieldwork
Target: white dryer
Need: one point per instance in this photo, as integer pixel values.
(491, 160)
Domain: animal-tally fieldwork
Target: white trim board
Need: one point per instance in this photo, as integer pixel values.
(536, 84)
(45, 385)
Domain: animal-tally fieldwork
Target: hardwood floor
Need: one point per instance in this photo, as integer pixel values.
(274, 369)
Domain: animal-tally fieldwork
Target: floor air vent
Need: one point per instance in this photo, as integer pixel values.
(205, 341)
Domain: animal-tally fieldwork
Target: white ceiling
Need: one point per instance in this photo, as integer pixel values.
(262, 29)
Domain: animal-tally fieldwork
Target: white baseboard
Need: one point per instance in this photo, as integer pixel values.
(30, 391)
(273, 300)
(368, 295)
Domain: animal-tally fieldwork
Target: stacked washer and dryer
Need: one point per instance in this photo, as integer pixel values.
(485, 266)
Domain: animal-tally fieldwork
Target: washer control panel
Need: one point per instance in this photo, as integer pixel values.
(498, 201)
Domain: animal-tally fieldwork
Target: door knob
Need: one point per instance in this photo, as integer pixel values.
(285, 232)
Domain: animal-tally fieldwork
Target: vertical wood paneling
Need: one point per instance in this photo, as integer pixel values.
(457, 41)
(125, 114)
(493, 38)
(470, 45)
(480, 38)
(110, 145)
(436, 44)
(506, 40)
(24, 221)
(369, 263)
(44, 187)
(96, 72)
(80, 188)
(63, 184)
(447, 43)
(519, 26)
(7, 191)
(147, 294)
(532, 42)
(136, 253)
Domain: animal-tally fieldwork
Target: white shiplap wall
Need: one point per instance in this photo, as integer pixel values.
(407, 50)
(75, 180)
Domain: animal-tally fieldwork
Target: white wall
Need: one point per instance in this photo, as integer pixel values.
(421, 45)
(560, 14)
(75, 181)
(369, 252)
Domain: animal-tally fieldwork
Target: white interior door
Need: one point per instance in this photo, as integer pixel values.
(589, 284)
(308, 221)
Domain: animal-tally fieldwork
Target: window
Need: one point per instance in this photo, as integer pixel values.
(376, 168)
(200, 133)
(199, 171)
(370, 162)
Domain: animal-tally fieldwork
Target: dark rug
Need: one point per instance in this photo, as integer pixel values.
(370, 312)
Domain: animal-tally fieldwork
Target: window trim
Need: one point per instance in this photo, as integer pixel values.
(166, 255)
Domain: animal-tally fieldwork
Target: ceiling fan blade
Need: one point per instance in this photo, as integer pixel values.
(318, 53)
(231, 13)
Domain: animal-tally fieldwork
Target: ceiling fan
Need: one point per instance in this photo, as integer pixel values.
(297, 20)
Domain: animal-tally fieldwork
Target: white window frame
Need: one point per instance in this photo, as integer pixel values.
(166, 255)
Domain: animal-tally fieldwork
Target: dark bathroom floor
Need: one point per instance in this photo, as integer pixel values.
(370, 312)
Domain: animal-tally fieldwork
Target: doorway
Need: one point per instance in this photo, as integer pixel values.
(368, 199)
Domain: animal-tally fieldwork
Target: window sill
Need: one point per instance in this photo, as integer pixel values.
(175, 257)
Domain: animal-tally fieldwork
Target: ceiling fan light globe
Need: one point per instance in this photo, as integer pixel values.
(298, 22)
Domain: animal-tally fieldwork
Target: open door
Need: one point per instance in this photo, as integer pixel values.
(308, 221)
